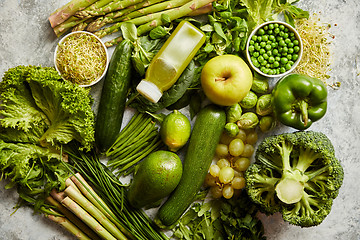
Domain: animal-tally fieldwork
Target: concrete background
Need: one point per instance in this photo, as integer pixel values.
(26, 38)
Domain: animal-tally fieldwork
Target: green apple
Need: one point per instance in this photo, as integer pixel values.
(226, 79)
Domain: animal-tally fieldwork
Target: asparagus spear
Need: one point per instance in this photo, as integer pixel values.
(87, 218)
(115, 16)
(112, 6)
(174, 14)
(154, 20)
(142, 16)
(64, 222)
(68, 10)
(73, 20)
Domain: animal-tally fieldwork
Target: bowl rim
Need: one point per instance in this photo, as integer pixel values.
(104, 47)
(291, 28)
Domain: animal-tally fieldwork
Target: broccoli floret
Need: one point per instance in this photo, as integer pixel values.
(296, 174)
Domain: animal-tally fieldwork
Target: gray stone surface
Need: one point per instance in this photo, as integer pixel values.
(26, 38)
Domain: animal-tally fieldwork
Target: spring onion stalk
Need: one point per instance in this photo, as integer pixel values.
(113, 193)
(69, 226)
(87, 218)
(138, 139)
(94, 211)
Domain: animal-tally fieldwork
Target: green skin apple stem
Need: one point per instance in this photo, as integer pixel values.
(73, 20)
(68, 10)
(111, 7)
(87, 218)
(141, 16)
(69, 226)
(116, 16)
(72, 218)
(90, 208)
(91, 195)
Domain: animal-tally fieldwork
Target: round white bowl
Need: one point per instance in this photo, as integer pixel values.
(292, 29)
(104, 47)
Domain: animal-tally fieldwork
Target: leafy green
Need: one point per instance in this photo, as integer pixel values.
(221, 219)
(39, 107)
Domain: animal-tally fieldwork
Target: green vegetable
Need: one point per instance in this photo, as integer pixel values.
(296, 174)
(155, 178)
(248, 120)
(264, 105)
(204, 138)
(299, 100)
(137, 140)
(249, 101)
(232, 129)
(221, 219)
(113, 96)
(38, 107)
(233, 113)
(267, 123)
(260, 84)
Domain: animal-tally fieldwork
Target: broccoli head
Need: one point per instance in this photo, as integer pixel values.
(296, 174)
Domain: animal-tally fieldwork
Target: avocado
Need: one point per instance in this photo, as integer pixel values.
(156, 177)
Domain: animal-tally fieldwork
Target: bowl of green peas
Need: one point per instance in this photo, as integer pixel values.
(274, 49)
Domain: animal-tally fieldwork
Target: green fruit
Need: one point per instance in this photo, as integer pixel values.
(175, 130)
(156, 177)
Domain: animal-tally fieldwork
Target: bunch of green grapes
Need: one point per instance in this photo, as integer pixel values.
(226, 176)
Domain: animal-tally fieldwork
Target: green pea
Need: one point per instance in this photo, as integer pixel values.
(262, 51)
(282, 43)
(291, 62)
(260, 59)
(256, 63)
(265, 38)
(271, 59)
(251, 42)
(282, 70)
(271, 26)
(289, 57)
(266, 27)
(251, 48)
(259, 39)
(274, 44)
(275, 51)
(263, 44)
(277, 30)
(284, 60)
(286, 29)
(254, 37)
(288, 66)
(268, 65)
(261, 31)
(256, 54)
(269, 53)
(277, 58)
(296, 42)
(285, 49)
(262, 69)
(270, 31)
(257, 47)
(281, 34)
(276, 64)
(295, 57)
(266, 71)
(287, 41)
(296, 49)
(291, 50)
(276, 25)
(290, 45)
(272, 38)
(263, 63)
(291, 34)
(281, 27)
(286, 35)
(266, 56)
(268, 47)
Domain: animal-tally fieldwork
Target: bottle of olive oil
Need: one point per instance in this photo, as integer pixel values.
(171, 60)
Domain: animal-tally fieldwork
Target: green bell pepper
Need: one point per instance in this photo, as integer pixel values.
(299, 100)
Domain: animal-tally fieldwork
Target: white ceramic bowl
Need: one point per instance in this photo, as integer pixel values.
(104, 47)
(292, 29)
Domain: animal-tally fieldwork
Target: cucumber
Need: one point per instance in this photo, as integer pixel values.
(204, 138)
(113, 96)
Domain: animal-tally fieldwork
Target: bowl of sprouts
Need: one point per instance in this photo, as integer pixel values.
(81, 58)
(274, 49)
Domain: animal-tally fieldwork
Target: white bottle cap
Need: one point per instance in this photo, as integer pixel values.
(149, 90)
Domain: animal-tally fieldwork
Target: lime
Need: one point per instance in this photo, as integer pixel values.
(175, 130)
(156, 177)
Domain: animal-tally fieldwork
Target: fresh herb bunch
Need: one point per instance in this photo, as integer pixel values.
(221, 219)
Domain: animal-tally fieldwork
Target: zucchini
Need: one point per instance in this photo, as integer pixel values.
(204, 138)
(113, 96)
